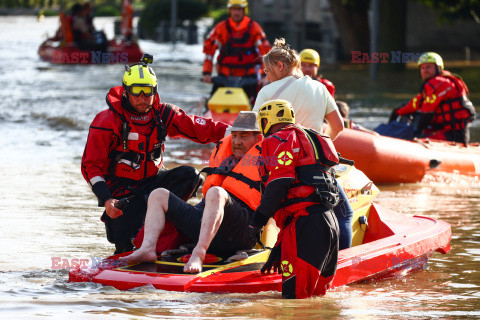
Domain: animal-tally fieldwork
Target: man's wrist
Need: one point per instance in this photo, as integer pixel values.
(100, 189)
(258, 220)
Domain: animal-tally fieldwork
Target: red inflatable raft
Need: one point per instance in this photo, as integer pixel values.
(117, 52)
(390, 243)
(390, 160)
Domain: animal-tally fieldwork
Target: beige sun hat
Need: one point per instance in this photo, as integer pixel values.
(246, 121)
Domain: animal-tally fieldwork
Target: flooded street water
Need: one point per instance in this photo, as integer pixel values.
(48, 212)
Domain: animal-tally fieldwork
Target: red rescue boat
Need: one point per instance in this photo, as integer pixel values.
(117, 52)
(384, 243)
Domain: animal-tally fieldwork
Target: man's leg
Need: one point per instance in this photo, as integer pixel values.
(154, 224)
(215, 200)
(344, 213)
(309, 254)
(181, 181)
(123, 229)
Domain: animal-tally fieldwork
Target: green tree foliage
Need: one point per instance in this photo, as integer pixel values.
(449, 10)
(157, 10)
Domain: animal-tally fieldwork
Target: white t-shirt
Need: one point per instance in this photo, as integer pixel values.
(310, 100)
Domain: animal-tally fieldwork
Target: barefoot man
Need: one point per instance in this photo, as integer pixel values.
(220, 222)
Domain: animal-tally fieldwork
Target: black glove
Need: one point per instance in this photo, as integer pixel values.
(421, 122)
(273, 260)
(254, 233)
(393, 115)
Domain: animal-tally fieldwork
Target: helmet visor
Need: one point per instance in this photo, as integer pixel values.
(136, 90)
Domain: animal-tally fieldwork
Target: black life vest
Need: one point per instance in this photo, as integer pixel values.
(314, 170)
(455, 112)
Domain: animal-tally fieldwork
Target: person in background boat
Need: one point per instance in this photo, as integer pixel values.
(349, 123)
(84, 34)
(300, 192)
(64, 32)
(127, 20)
(231, 194)
(442, 109)
(310, 62)
(312, 103)
(124, 143)
(241, 42)
(87, 8)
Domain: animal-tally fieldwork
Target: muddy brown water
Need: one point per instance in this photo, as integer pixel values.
(47, 211)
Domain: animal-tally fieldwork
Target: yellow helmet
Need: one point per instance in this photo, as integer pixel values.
(238, 3)
(431, 57)
(273, 112)
(140, 78)
(310, 55)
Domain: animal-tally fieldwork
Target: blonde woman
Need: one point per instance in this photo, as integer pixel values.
(312, 104)
(310, 99)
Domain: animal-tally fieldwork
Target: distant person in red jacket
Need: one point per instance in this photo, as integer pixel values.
(442, 109)
(123, 157)
(241, 43)
(310, 60)
(127, 20)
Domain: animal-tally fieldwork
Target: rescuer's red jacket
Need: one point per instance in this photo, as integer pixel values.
(445, 96)
(112, 153)
(289, 153)
(241, 46)
(328, 84)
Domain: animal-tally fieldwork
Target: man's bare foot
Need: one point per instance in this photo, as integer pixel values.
(194, 264)
(140, 255)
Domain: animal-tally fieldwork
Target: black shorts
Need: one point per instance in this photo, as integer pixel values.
(232, 234)
(181, 180)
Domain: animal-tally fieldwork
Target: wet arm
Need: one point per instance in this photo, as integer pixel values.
(198, 129)
(95, 160)
(335, 124)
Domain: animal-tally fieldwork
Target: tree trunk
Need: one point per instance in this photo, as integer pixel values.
(352, 23)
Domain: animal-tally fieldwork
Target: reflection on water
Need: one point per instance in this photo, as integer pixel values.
(47, 210)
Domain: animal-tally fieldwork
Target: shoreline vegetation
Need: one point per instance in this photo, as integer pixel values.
(100, 11)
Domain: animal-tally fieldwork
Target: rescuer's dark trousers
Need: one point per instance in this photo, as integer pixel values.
(309, 253)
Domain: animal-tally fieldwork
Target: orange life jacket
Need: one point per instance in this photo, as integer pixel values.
(239, 51)
(243, 181)
(127, 18)
(65, 25)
